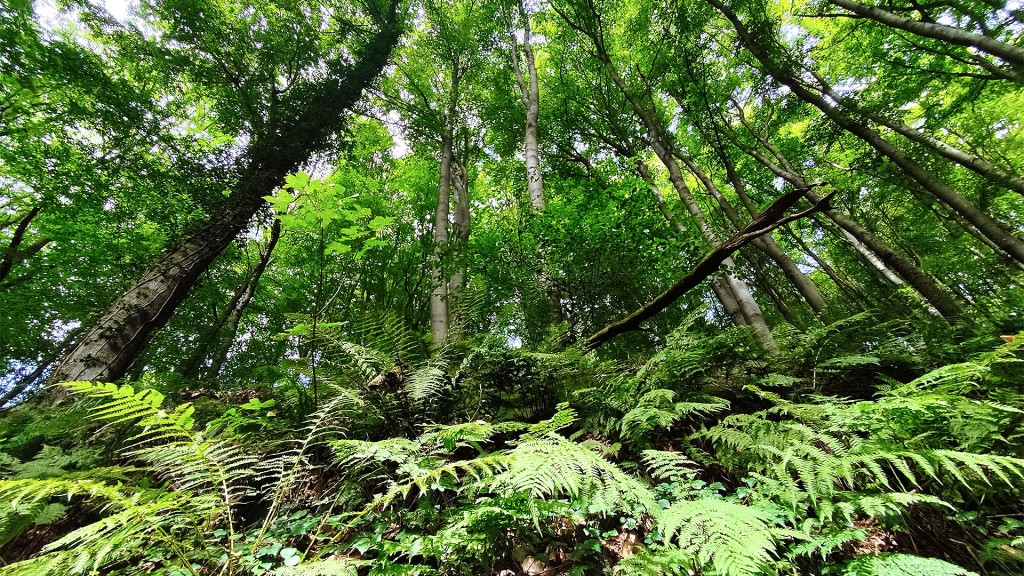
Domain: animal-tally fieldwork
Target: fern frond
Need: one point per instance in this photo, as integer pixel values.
(903, 565)
(656, 560)
(668, 465)
(553, 467)
(732, 539)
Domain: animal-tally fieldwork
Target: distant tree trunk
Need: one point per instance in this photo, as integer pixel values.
(972, 162)
(530, 92)
(764, 282)
(232, 314)
(122, 333)
(999, 235)
(765, 244)
(663, 148)
(876, 251)
(719, 286)
(853, 290)
(439, 294)
(14, 253)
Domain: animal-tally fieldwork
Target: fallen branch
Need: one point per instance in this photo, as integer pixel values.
(768, 220)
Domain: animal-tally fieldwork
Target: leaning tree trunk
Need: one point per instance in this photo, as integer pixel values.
(123, 332)
(878, 253)
(765, 244)
(15, 253)
(722, 290)
(232, 314)
(1012, 55)
(972, 162)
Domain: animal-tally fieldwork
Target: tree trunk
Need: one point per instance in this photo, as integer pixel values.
(232, 313)
(1012, 55)
(765, 244)
(1007, 242)
(764, 282)
(530, 91)
(976, 164)
(122, 333)
(439, 295)
(719, 286)
(14, 253)
(770, 219)
(877, 252)
(461, 227)
(852, 289)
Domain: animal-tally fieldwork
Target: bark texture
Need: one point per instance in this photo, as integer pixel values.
(439, 294)
(305, 124)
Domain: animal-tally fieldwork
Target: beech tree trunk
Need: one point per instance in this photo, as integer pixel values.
(1012, 55)
(123, 332)
(439, 294)
(231, 315)
(765, 244)
(769, 220)
(719, 286)
(994, 231)
(663, 148)
(972, 162)
(461, 227)
(530, 92)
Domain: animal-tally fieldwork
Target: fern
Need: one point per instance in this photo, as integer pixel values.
(668, 465)
(656, 410)
(731, 539)
(656, 560)
(553, 467)
(903, 565)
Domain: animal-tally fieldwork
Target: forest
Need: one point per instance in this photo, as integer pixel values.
(512, 287)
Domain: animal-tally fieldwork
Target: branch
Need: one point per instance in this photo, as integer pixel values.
(770, 219)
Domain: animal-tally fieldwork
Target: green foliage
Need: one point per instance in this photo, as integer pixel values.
(903, 565)
(730, 538)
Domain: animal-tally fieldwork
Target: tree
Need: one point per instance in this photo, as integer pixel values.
(284, 126)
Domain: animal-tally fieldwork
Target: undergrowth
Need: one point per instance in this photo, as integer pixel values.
(846, 454)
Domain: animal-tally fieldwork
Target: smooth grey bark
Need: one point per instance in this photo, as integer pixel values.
(1013, 55)
(306, 123)
(530, 92)
(1007, 242)
(439, 293)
